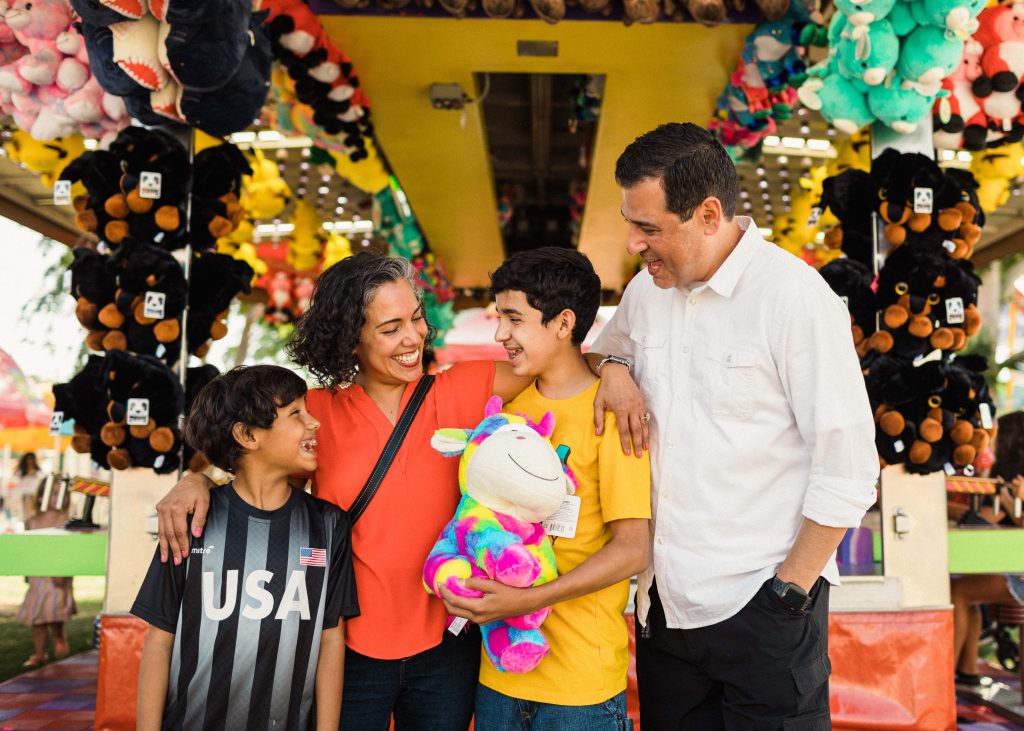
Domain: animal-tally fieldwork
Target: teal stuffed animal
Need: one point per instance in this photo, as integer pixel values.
(957, 17)
(863, 12)
(841, 101)
(897, 104)
(868, 52)
(927, 56)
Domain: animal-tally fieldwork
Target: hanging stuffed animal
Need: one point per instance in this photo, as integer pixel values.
(496, 532)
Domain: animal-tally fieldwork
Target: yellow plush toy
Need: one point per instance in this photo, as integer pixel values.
(995, 170)
(46, 158)
(306, 244)
(336, 248)
(264, 193)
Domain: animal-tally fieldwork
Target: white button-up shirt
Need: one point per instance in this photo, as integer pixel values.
(759, 418)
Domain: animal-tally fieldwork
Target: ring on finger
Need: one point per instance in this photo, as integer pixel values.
(646, 417)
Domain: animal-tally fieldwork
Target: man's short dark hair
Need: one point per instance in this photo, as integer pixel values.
(553, 279)
(690, 163)
(246, 395)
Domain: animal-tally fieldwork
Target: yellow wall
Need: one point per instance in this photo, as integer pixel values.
(658, 73)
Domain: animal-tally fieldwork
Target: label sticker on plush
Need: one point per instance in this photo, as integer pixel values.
(923, 200)
(812, 220)
(955, 310)
(55, 423)
(898, 446)
(949, 469)
(62, 193)
(154, 304)
(138, 411)
(457, 625)
(562, 523)
(949, 246)
(150, 184)
(986, 415)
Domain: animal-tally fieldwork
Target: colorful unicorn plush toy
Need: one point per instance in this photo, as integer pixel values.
(511, 479)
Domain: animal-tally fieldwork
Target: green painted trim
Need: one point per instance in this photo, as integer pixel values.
(53, 553)
(986, 551)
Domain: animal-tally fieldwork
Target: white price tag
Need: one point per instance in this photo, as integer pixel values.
(949, 246)
(923, 200)
(153, 305)
(562, 523)
(812, 220)
(150, 185)
(62, 193)
(949, 469)
(159, 461)
(955, 310)
(986, 415)
(898, 446)
(457, 625)
(55, 423)
(138, 411)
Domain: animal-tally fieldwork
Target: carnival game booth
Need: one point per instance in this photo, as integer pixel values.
(185, 189)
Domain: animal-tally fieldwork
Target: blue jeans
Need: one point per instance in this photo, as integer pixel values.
(430, 691)
(498, 712)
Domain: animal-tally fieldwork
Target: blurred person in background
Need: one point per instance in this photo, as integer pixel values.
(970, 591)
(50, 600)
(27, 476)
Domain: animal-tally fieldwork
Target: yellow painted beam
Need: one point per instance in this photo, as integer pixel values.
(653, 74)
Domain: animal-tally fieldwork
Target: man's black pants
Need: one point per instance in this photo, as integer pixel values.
(763, 669)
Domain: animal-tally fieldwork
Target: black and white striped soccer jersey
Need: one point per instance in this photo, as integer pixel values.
(247, 608)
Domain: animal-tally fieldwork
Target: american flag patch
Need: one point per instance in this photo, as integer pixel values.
(313, 557)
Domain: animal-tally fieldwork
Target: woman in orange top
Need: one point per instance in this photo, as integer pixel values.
(366, 327)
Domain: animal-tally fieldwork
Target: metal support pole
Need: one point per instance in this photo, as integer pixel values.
(186, 136)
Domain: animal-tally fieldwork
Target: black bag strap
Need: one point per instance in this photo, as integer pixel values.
(390, 449)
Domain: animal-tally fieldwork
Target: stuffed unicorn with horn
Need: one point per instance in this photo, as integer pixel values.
(511, 478)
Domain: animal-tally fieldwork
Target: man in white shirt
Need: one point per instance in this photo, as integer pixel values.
(762, 446)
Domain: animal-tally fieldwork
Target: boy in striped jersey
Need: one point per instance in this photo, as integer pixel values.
(246, 632)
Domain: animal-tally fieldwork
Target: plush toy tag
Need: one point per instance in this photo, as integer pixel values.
(986, 415)
(457, 625)
(898, 446)
(55, 423)
(150, 184)
(923, 200)
(812, 220)
(160, 350)
(949, 246)
(153, 305)
(62, 193)
(158, 462)
(949, 469)
(955, 310)
(562, 523)
(138, 411)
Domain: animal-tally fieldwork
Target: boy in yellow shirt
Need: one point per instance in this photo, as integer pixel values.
(547, 300)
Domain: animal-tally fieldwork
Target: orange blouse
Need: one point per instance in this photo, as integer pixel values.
(417, 497)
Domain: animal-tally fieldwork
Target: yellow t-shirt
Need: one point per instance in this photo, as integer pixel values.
(589, 645)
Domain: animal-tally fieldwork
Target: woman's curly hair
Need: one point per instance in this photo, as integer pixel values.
(326, 336)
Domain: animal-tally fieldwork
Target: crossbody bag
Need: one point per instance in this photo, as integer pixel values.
(390, 449)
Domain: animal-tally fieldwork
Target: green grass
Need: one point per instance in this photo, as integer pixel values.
(16, 639)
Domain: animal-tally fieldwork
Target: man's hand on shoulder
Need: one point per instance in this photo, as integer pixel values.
(620, 395)
(191, 496)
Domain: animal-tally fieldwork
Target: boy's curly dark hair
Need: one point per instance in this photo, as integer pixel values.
(246, 395)
(326, 336)
(553, 279)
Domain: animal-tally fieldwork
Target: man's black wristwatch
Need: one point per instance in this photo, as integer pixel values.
(793, 596)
